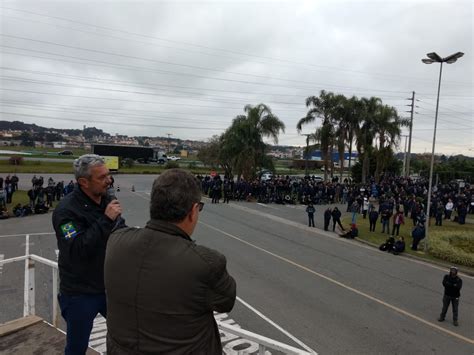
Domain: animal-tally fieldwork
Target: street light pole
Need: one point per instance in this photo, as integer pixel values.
(432, 161)
(306, 155)
(433, 57)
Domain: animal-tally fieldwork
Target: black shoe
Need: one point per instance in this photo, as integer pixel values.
(440, 319)
(455, 323)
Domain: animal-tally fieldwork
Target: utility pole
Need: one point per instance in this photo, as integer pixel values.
(412, 111)
(306, 155)
(404, 152)
(169, 142)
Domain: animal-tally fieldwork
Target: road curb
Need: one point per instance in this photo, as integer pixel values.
(446, 265)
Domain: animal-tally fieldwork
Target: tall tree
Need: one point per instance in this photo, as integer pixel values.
(365, 133)
(321, 106)
(243, 140)
(387, 126)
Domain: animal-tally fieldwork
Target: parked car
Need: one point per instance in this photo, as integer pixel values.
(65, 152)
(173, 158)
(266, 175)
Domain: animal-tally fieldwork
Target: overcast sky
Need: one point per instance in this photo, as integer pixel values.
(188, 68)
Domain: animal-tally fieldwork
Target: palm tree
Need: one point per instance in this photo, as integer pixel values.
(244, 138)
(321, 106)
(355, 112)
(387, 126)
(365, 133)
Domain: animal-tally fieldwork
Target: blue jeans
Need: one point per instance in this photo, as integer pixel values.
(79, 312)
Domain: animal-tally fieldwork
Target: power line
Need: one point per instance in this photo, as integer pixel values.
(110, 122)
(35, 103)
(176, 64)
(200, 46)
(110, 114)
(233, 100)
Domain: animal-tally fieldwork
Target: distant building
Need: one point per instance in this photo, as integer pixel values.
(318, 156)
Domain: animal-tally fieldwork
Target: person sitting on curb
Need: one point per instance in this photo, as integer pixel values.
(4, 213)
(349, 234)
(388, 245)
(399, 246)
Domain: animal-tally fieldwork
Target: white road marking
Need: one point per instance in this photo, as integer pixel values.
(98, 338)
(233, 344)
(335, 237)
(2, 256)
(268, 320)
(349, 288)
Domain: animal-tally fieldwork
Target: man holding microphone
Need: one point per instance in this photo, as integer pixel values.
(83, 221)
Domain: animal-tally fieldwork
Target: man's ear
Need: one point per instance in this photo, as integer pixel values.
(83, 182)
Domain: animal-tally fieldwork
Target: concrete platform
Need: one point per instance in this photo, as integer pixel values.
(32, 335)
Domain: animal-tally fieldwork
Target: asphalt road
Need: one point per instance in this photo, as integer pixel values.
(334, 295)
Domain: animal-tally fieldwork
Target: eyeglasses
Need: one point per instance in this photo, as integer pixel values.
(200, 206)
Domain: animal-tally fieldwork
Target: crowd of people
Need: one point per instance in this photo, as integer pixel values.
(391, 193)
(392, 202)
(41, 195)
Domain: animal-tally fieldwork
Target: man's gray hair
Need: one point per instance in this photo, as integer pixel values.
(83, 164)
(173, 195)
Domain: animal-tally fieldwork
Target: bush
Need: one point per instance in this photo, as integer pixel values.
(192, 165)
(455, 247)
(16, 160)
(171, 165)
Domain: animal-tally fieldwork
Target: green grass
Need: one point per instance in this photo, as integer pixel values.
(44, 167)
(451, 242)
(36, 167)
(21, 197)
(44, 151)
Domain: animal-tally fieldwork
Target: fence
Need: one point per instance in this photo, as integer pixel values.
(30, 260)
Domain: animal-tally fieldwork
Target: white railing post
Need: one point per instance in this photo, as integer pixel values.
(29, 289)
(55, 298)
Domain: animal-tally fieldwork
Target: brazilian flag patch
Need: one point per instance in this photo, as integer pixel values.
(69, 231)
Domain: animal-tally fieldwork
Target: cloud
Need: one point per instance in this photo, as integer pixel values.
(173, 67)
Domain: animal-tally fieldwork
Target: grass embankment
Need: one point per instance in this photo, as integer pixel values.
(45, 152)
(45, 167)
(21, 196)
(36, 167)
(451, 242)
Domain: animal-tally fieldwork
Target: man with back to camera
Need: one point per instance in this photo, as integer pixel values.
(162, 288)
(452, 286)
(83, 221)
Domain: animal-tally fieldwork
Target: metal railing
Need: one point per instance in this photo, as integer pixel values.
(263, 343)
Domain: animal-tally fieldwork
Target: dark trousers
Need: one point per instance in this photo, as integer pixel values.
(338, 221)
(311, 219)
(326, 224)
(439, 220)
(446, 301)
(396, 227)
(372, 225)
(385, 224)
(79, 313)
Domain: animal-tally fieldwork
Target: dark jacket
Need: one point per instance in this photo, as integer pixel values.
(82, 231)
(452, 286)
(336, 214)
(162, 290)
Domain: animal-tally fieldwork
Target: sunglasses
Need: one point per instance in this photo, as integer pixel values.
(201, 206)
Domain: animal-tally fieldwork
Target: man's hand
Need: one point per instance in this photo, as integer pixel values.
(113, 210)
